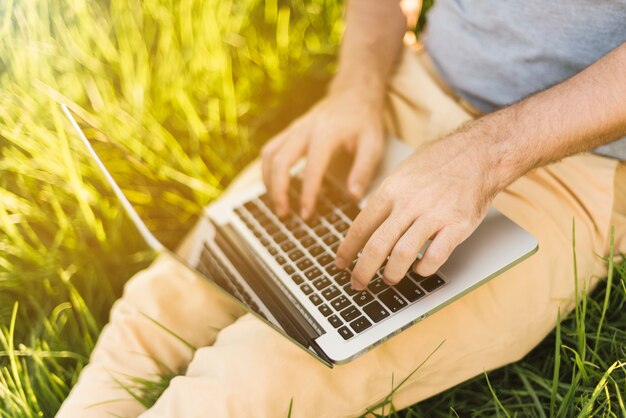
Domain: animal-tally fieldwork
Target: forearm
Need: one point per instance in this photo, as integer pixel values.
(579, 114)
(371, 45)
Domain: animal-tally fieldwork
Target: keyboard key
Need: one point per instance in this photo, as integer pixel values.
(342, 227)
(248, 223)
(270, 228)
(325, 259)
(321, 231)
(296, 255)
(349, 290)
(264, 242)
(306, 289)
(335, 321)
(350, 313)
(409, 290)
(280, 259)
(304, 264)
(272, 251)
(335, 247)
(264, 201)
(297, 279)
(315, 299)
(432, 283)
(333, 217)
(376, 311)
(263, 219)
(321, 283)
(308, 241)
(363, 297)
(250, 206)
(360, 325)
(330, 240)
(325, 310)
(342, 278)
(340, 303)
(289, 269)
(287, 246)
(331, 292)
(313, 222)
(416, 277)
(292, 223)
(315, 251)
(345, 333)
(332, 269)
(377, 286)
(313, 273)
(279, 237)
(392, 300)
(299, 233)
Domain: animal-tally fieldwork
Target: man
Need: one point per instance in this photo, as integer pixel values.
(549, 79)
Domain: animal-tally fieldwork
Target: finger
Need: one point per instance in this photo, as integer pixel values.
(319, 155)
(292, 148)
(267, 155)
(407, 248)
(440, 249)
(366, 222)
(378, 248)
(366, 160)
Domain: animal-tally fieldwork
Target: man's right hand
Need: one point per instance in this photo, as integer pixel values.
(345, 118)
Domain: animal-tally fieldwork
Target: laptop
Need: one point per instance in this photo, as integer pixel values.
(283, 271)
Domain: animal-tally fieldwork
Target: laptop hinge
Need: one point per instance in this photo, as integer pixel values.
(290, 314)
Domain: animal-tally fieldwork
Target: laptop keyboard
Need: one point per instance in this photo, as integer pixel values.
(306, 251)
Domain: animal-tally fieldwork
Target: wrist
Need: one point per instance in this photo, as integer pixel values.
(494, 151)
(370, 87)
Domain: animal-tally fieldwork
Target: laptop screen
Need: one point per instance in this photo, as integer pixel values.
(164, 198)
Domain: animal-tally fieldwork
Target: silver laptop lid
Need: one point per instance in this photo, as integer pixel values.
(128, 176)
(150, 238)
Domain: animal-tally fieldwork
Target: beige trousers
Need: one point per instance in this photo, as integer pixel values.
(242, 368)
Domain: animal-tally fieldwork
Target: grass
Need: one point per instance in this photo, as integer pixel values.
(192, 88)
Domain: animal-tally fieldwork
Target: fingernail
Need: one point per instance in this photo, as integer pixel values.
(341, 263)
(356, 285)
(304, 213)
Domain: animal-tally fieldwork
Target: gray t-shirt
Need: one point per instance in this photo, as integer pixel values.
(496, 52)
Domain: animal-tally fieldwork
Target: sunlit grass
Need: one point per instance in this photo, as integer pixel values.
(192, 88)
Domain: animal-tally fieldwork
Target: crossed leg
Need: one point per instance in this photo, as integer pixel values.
(252, 370)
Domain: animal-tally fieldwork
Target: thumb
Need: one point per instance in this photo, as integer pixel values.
(368, 154)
